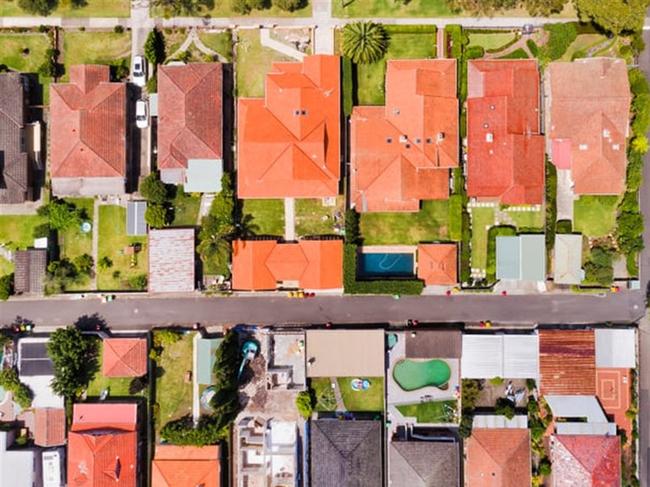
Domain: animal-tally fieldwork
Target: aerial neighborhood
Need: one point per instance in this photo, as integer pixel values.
(318, 243)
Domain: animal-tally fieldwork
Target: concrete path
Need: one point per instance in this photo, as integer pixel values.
(324, 30)
(340, 405)
(282, 48)
(140, 26)
(204, 208)
(565, 195)
(289, 219)
(28, 208)
(95, 250)
(196, 404)
(441, 46)
(193, 38)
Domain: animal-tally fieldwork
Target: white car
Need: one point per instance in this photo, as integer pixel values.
(139, 73)
(141, 114)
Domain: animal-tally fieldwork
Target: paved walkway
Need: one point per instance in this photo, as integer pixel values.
(204, 208)
(196, 403)
(441, 46)
(95, 231)
(267, 41)
(289, 219)
(340, 405)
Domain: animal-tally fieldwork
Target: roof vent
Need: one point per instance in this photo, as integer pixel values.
(418, 140)
(403, 138)
(489, 137)
(616, 146)
(408, 146)
(492, 107)
(429, 141)
(583, 147)
(606, 133)
(395, 111)
(296, 112)
(486, 125)
(303, 112)
(389, 140)
(440, 137)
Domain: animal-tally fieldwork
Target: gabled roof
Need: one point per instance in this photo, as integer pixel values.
(124, 357)
(401, 152)
(185, 466)
(190, 113)
(567, 262)
(589, 122)
(49, 426)
(438, 264)
(567, 362)
(171, 260)
(424, 463)
(30, 268)
(88, 125)
(348, 453)
(289, 142)
(505, 149)
(498, 458)
(586, 460)
(14, 168)
(312, 264)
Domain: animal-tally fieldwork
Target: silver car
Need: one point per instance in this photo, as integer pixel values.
(141, 114)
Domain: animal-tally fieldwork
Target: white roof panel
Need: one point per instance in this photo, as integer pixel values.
(521, 356)
(616, 348)
(482, 357)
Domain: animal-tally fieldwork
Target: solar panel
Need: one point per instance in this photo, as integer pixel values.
(33, 350)
(36, 367)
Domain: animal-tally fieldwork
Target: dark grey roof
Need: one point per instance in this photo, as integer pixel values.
(34, 359)
(30, 270)
(135, 223)
(434, 343)
(424, 463)
(346, 453)
(14, 169)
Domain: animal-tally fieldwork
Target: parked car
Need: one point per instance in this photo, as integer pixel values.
(141, 114)
(139, 73)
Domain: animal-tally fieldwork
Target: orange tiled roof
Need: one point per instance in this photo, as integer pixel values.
(498, 457)
(49, 426)
(586, 460)
(289, 141)
(613, 391)
(185, 466)
(438, 264)
(589, 122)
(311, 264)
(401, 152)
(88, 125)
(505, 149)
(190, 113)
(124, 357)
(567, 362)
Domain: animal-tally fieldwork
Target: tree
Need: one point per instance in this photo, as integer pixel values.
(138, 281)
(154, 47)
(84, 264)
(6, 286)
(305, 403)
(105, 263)
(184, 7)
(505, 407)
(218, 228)
(599, 267)
(544, 8)
(60, 274)
(241, 7)
(61, 214)
(614, 16)
(22, 394)
(153, 189)
(38, 7)
(156, 216)
(364, 42)
(289, 5)
(74, 357)
(481, 7)
(640, 144)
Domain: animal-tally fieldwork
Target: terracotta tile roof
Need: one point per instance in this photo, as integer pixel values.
(124, 357)
(401, 152)
(102, 446)
(438, 264)
(190, 113)
(289, 142)
(30, 268)
(171, 260)
(586, 460)
(88, 125)
(49, 426)
(309, 264)
(185, 466)
(589, 117)
(498, 457)
(567, 362)
(505, 149)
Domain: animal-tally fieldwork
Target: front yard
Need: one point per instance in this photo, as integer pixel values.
(314, 218)
(482, 220)
(116, 386)
(92, 8)
(26, 52)
(17, 231)
(224, 9)
(595, 216)
(267, 216)
(432, 411)
(220, 42)
(94, 48)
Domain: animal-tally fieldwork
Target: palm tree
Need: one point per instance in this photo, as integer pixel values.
(364, 42)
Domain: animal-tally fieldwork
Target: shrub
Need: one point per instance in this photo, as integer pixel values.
(240, 6)
(599, 267)
(352, 227)
(137, 385)
(544, 467)
(119, 69)
(455, 34)
(533, 47)
(289, 5)
(641, 111)
(138, 281)
(105, 263)
(505, 407)
(640, 144)
(22, 394)
(165, 337)
(634, 176)
(208, 431)
(560, 38)
(153, 189)
(564, 226)
(531, 385)
(470, 392)
(496, 381)
(364, 42)
(466, 423)
(516, 54)
(152, 84)
(61, 215)
(118, 29)
(347, 85)
(156, 216)
(533, 406)
(6, 286)
(154, 47)
(474, 52)
(551, 204)
(305, 403)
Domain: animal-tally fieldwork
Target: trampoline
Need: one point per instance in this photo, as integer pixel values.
(411, 375)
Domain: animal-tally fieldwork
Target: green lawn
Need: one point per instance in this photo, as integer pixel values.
(527, 219)
(186, 208)
(14, 55)
(455, 217)
(482, 218)
(430, 223)
(94, 48)
(490, 41)
(582, 43)
(220, 42)
(6, 267)
(370, 77)
(359, 401)
(313, 218)
(73, 241)
(117, 386)
(431, 412)
(325, 398)
(93, 8)
(17, 231)
(173, 393)
(253, 62)
(112, 243)
(595, 216)
(268, 216)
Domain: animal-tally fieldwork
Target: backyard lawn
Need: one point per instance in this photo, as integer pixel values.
(527, 219)
(173, 392)
(73, 241)
(313, 218)
(25, 53)
(595, 216)
(220, 42)
(430, 223)
(253, 62)
(93, 8)
(268, 216)
(431, 412)
(325, 398)
(117, 386)
(186, 208)
(482, 219)
(491, 40)
(359, 401)
(94, 48)
(112, 243)
(17, 231)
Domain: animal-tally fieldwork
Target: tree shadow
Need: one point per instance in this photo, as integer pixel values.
(94, 322)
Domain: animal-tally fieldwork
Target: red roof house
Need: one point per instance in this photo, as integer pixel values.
(498, 457)
(190, 116)
(586, 460)
(289, 141)
(588, 122)
(402, 152)
(567, 362)
(185, 466)
(49, 426)
(268, 264)
(124, 357)
(88, 133)
(102, 446)
(505, 149)
(438, 264)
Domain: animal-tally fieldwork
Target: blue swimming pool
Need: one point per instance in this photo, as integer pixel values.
(383, 264)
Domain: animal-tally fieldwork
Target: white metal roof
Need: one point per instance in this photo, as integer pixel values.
(499, 421)
(616, 348)
(507, 356)
(16, 466)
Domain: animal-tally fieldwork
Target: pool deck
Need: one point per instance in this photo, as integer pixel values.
(388, 249)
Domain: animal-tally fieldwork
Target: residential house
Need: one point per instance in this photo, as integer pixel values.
(186, 466)
(359, 353)
(15, 173)
(49, 427)
(438, 264)
(588, 118)
(567, 362)
(424, 463)
(88, 133)
(30, 269)
(505, 153)
(585, 460)
(401, 153)
(124, 357)
(567, 259)
(269, 264)
(498, 457)
(171, 260)
(190, 125)
(18, 467)
(521, 257)
(288, 143)
(510, 356)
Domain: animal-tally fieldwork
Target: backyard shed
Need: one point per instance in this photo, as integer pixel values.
(567, 261)
(135, 222)
(521, 258)
(359, 353)
(506, 356)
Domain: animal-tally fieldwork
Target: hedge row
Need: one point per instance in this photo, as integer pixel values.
(551, 204)
(560, 38)
(455, 34)
(347, 85)
(493, 233)
(411, 29)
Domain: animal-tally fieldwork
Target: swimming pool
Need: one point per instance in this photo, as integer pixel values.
(385, 264)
